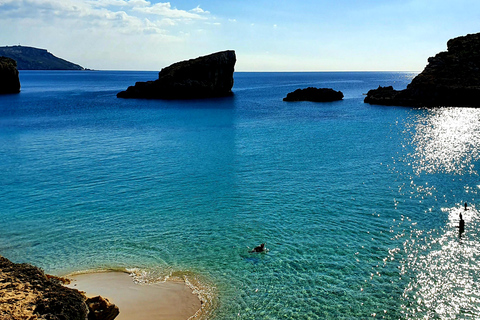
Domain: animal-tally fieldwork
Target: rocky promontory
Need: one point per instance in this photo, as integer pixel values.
(204, 77)
(9, 80)
(29, 58)
(451, 78)
(26, 292)
(314, 94)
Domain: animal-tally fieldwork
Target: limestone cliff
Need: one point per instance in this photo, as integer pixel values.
(9, 80)
(451, 78)
(204, 77)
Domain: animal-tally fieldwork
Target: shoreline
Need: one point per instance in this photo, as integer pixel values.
(173, 300)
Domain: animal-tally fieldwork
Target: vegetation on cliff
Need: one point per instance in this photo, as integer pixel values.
(29, 58)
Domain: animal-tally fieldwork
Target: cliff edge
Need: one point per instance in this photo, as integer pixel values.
(451, 78)
(204, 77)
(9, 80)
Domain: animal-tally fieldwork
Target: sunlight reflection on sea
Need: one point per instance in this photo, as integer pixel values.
(440, 264)
(446, 140)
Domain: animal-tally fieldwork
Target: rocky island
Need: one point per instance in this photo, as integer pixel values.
(314, 94)
(451, 78)
(204, 77)
(29, 58)
(9, 80)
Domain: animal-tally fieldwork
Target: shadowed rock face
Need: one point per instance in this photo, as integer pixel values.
(9, 80)
(204, 77)
(451, 78)
(314, 94)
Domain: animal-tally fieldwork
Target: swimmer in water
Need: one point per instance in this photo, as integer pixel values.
(259, 248)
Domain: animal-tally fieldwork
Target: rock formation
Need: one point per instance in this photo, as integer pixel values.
(204, 77)
(9, 80)
(26, 292)
(314, 94)
(101, 309)
(451, 78)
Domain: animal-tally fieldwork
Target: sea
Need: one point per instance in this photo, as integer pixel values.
(358, 204)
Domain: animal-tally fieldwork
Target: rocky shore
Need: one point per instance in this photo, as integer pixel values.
(9, 80)
(204, 77)
(26, 292)
(451, 78)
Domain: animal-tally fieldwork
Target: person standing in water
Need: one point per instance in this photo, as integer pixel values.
(465, 206)
(461, 225)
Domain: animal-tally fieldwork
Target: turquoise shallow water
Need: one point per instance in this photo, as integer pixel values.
(358, 204)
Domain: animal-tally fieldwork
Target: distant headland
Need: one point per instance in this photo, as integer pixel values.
(29, 58)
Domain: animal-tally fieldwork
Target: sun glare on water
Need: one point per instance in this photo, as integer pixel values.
(446, 140)
(440, 264)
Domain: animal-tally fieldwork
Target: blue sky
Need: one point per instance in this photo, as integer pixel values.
(282, 35)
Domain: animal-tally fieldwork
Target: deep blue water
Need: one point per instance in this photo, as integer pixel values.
(358, 204)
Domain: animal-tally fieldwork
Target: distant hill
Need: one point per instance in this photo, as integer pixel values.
(29, 58)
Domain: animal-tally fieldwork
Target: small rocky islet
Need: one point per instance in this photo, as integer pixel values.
(314, 95)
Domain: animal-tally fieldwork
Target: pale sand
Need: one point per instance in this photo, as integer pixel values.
(168, 300)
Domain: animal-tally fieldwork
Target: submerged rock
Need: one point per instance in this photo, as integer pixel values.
(451, 78)
(9, 80)
(204, 77)
(314, 94)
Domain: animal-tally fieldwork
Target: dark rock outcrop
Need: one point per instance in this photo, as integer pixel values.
(101, 309)
(314, 94)
(26, 292)
(204, 77)
(451, 78)
(29, 58)
(9, 80)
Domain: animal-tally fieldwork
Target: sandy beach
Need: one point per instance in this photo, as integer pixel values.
(168, 300)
